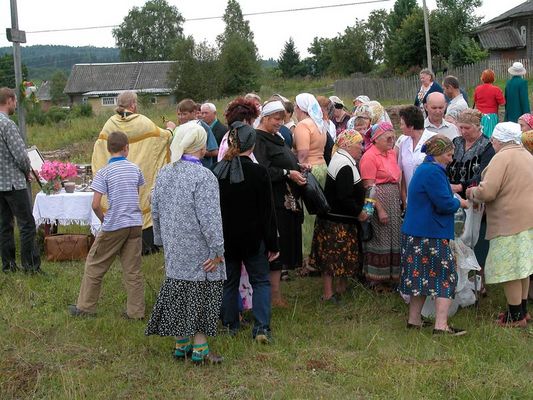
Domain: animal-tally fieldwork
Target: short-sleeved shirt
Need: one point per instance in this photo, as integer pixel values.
(120, 181)
(408, 158)
(446, 128)
(382, 168)
(456, 106)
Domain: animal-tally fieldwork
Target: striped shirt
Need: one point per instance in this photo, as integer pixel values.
(120, 181)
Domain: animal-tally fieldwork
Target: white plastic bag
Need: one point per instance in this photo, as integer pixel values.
(464, 292)
(474, 215)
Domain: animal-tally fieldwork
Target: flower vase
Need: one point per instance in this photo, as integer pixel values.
(52, 187)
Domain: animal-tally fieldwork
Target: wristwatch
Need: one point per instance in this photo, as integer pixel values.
(286, 172)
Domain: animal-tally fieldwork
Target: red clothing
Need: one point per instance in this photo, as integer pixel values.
(379, 167)
(488, 97)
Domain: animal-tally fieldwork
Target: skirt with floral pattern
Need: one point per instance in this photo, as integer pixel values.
(335, 248)
(428, 267)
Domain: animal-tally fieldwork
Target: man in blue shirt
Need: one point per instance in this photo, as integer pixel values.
(187, 111)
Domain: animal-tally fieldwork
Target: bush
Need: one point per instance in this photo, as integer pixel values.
(82, 110)
(57, 114)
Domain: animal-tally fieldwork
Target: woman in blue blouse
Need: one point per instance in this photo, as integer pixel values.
(427, 261)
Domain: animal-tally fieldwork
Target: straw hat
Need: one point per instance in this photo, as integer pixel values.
(517, 69)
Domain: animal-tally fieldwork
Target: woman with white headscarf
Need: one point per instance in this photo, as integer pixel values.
(506, 188)
(270, 151)
(188, 224)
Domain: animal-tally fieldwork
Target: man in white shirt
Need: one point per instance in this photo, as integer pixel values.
(435, 122)
(450, 84)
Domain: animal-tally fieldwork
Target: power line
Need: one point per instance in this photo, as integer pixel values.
(289, 10)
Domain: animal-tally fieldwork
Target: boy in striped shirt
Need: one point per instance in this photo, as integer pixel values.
(121, 232)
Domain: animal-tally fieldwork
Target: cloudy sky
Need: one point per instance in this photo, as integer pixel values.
(270, 30)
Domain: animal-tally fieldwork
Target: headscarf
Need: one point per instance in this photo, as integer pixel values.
(240, 139)
(188, 138)
(380, 129)
(507, 132)
(469, 116)
(269, 108)
(345, 139)
(527, 141)
(362, 99)
(528, 119)
(437, 145)
(377, 111)
(307, 102)
(363, 111)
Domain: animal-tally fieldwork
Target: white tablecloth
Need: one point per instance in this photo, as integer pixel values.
(67, 208)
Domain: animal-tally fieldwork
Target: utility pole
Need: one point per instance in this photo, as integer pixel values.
(17, 37)
(426, 29)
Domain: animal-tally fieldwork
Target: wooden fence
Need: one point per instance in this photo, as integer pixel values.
(406, 88)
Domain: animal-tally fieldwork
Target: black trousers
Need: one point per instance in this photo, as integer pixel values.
(16, 204)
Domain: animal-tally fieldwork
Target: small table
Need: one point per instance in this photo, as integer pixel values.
(66, 209)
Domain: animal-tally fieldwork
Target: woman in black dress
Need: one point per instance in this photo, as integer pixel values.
(271, 152)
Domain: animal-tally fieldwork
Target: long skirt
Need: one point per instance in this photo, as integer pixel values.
(184, 308)
(488, 122)
(335, 248)
(510, 258)
(382, 252)
(428, 267)
(290, 240)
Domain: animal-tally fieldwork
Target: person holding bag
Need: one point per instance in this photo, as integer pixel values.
(335, 247)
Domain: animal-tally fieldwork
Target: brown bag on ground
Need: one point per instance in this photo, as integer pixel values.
(67, 247)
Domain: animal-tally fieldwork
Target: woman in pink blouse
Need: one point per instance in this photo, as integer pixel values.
(379, 167)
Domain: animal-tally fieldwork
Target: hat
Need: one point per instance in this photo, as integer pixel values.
(507, 132)
(362, 99)
(336, 100)
(517, 69)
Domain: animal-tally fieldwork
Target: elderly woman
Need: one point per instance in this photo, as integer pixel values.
(472, 154)
(410, 154)
(428, 85)
(271, 152)
(362, 123)
(506, 189)
(526, 122)
(188, 303)
(428, 263)
(487, 99)
(250, 230)
(242, 110)
(379, 167)
(335, 247)
(527, 142)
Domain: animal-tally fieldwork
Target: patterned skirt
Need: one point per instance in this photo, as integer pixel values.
(184, 308)
(335, 248)
(382, 252)
(428, 267)
(488, 122)
(510, 258)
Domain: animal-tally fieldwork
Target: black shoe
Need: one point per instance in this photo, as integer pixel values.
(11, 267)
(227, 331)
(76, 312)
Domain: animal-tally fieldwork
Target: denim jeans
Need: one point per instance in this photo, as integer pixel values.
(259, 274)
(17, 204)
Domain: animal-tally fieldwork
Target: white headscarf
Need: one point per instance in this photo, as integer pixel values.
(188, 138)
(270, 108)
(307, 102)
(507, 132)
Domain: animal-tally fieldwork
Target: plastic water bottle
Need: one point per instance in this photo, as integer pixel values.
(459, 222)
(370, 200)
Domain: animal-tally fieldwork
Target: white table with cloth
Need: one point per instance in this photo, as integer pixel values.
(66, 209)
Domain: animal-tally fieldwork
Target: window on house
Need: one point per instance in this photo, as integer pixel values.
(84, 100)
(153, 100)
(109, 101)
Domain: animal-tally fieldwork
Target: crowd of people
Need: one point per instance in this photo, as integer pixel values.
(225, 201)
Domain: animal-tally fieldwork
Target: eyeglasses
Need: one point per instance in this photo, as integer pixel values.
(338, 106)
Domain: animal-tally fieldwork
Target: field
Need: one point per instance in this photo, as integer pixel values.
(359, 349)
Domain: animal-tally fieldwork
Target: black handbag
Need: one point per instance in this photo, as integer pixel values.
(313, 196)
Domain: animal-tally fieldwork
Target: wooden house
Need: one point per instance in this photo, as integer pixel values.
(100, 84)
(509, 35)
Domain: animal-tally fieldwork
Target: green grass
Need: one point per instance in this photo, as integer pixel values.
(360, 349)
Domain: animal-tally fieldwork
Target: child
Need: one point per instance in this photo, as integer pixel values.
(121, 232)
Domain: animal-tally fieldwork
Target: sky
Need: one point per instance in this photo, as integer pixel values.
(271, 31)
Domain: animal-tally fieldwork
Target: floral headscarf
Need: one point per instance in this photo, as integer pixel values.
(345, 139)
(528, 119)
(527, 141)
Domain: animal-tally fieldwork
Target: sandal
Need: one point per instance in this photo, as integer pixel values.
(449, 331)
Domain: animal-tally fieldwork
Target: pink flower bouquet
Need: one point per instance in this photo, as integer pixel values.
(54, 172)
